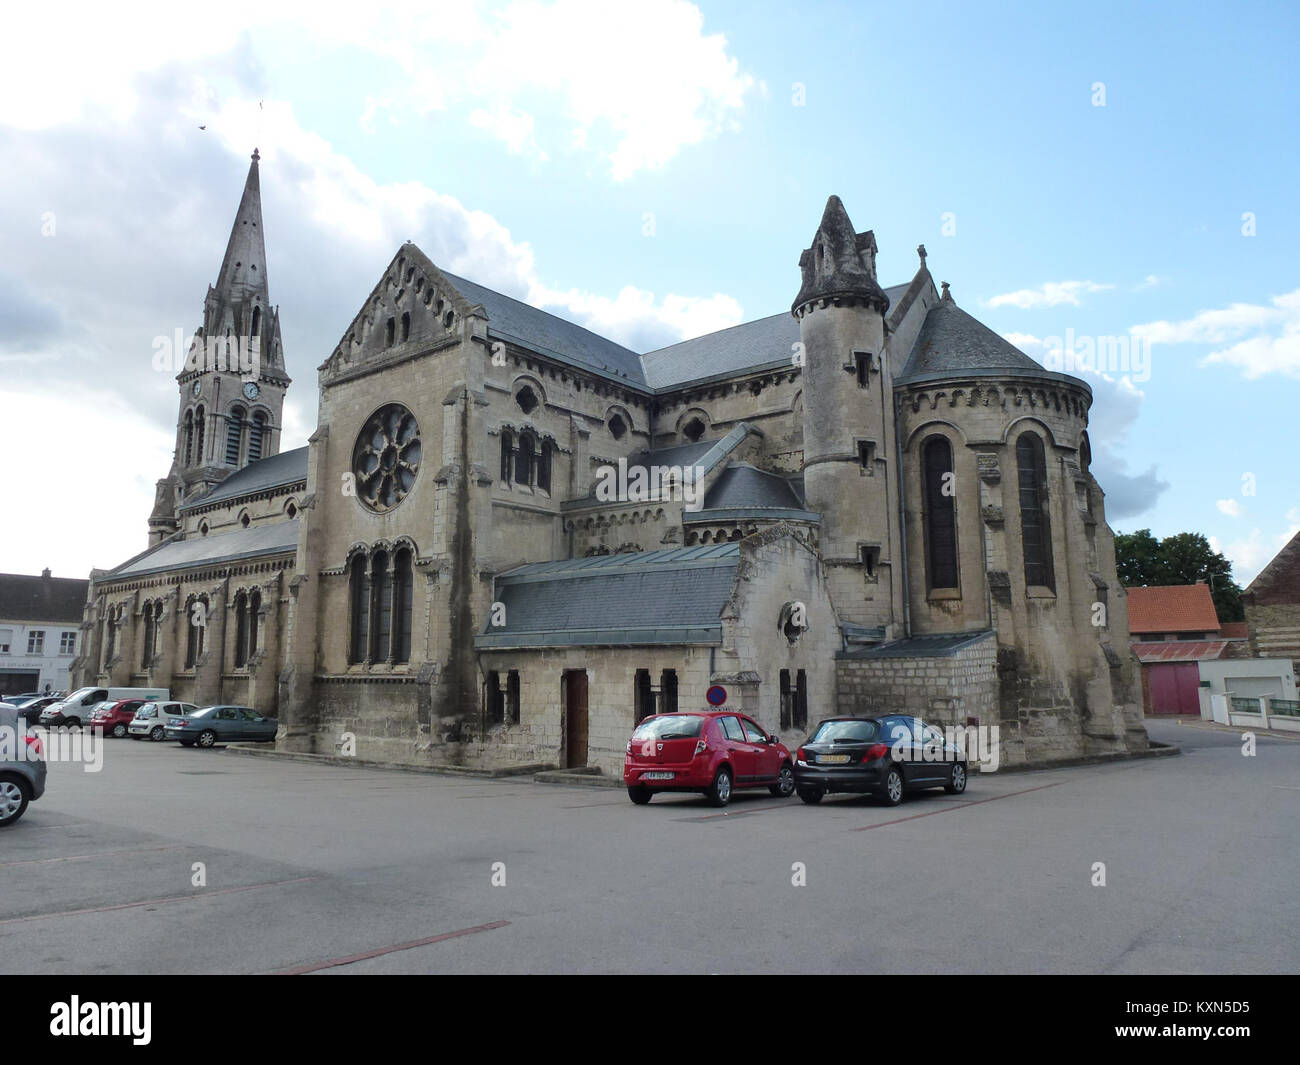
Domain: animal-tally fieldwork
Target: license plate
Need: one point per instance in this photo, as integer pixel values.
(832, 759)
(656, 776)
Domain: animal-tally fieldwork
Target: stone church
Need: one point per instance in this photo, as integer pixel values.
(509, 539)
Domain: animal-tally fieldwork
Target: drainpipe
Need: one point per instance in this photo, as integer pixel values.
(902, 516)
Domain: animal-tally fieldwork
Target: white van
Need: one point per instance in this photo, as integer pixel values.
(151, 719)
(76, 708)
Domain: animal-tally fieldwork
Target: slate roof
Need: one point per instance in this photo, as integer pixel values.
(27, 598)
(764, 342)
(953, 342)
(512, 319)
(1172, 608)
(935, 646)
(650, 597)
(705, 454)
(288, 467)
(745, 486)
(267, 539)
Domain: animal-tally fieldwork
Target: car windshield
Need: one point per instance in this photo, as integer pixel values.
(846, 732)
(669, 727)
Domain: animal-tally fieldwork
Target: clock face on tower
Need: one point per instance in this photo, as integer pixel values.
(251, 391)
(196, 388)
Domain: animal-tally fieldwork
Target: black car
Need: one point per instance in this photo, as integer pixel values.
(30, 706)
(882, 756)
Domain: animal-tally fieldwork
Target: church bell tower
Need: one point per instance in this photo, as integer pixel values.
(233, 382)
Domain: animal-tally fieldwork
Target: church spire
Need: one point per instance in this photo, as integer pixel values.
(243, 270)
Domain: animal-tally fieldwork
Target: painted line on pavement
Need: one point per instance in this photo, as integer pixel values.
(204, 894)
(350, 959)
(955, 808)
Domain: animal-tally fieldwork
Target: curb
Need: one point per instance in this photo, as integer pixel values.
(440, 770)
(1156, 750)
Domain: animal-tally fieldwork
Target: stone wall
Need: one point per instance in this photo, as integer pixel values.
(941, 689)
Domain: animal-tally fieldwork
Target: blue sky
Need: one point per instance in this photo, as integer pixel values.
(653, 169)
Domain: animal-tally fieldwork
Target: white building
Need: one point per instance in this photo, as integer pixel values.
(39, 626)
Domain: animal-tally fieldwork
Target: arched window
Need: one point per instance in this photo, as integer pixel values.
(507, 454)
(241, 630)
(524, 458)
(402, 588)
(148, 641)
(940, 515)
(693, 429)
(254, 610)
(234, 431)
(617, 427)
(544, 466)
(256, 434)
(389, 331)
(196, 617)
(189, 436)
(406, 325)
(199, 423)
(257, 321)
(381, 608)
(360, 628)
(1035, 525)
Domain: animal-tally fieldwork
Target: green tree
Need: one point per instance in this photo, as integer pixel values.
(1184, 558)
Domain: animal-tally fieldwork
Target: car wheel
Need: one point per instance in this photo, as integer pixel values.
(13, 799)
(719, 793)
(893, 794)
(956, 780)
(639, 794)
(119, 730)
(157, 734)
(784, 786)
(73, 722)
(207, 738)
(812, 796)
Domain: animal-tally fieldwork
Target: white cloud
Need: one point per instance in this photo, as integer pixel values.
(513, 128)
(1267, 338)
(1150, 281)
(1048, 294)
(1229, 507)
(634, 82)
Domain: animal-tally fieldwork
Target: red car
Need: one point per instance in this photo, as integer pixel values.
(710, 751)
(114, 719)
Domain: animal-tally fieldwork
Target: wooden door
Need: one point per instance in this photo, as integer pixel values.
(1174, 688)
(575, 718)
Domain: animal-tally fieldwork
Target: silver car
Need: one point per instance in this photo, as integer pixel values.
(22, 766)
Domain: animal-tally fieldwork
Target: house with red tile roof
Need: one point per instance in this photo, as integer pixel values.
(1183, 647)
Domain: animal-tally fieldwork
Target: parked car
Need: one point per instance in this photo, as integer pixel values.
(226, 724)
(152, 718)
(22, 768)
(710, 751)
(75, 709)
(114, 718)
(30, 707)
(881, 756)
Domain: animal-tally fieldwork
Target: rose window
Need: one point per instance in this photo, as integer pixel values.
(387, 457)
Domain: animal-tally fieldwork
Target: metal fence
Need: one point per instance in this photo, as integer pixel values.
(1289, 707)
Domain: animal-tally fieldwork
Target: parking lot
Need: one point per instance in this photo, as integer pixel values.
(310, 867)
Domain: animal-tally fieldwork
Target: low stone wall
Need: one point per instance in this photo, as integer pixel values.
(941, 689)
